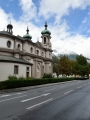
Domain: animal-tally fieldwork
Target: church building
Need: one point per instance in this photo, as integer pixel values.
(21, 57)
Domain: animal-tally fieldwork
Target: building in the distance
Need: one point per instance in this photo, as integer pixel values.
(21, 57)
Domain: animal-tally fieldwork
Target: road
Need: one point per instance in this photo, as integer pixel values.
(65, 101)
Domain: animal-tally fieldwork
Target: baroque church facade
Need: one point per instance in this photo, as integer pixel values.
(21, 57)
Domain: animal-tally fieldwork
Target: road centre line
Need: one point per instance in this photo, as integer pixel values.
(11, 94)
(35, 97)
(39, 103)
(49, 89)
(68, 92)
(12, 98)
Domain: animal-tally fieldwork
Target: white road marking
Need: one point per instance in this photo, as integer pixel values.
(35, 97)
(4, 96)
(79, 87)
(12, 98)
(21, 93)
(49, 89)
(68, 92)
(62, 86)
(11, 94)
(84, 85)
(39, 103)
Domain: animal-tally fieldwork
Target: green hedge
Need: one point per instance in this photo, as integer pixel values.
(32, 82)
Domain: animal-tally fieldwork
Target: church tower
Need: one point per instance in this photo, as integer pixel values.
(48, 48)
(46, 37)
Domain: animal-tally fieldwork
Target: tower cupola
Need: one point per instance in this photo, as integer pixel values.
(9, 28)
(46, 37)
(27, 36)
(46, 31)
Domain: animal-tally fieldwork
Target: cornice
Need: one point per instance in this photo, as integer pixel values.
(21, 53)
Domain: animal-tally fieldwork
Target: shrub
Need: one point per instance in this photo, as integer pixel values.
(22, 82)
(47, 75)
(29, 78)
(10, 77)
(21, 78)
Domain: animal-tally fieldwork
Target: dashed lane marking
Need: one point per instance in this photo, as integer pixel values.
(39, 104)
(68, 92)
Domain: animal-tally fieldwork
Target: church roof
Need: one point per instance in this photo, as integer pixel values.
(7, 33)
(5, 58)
(27, 36)
(46, 32)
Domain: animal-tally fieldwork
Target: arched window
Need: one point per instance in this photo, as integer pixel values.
(19, 46)
(44, 40)
(31, 50)
(37, 52)
(49, 55)
(42, 54)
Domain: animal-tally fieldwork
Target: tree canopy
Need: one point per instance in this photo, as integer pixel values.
(62, 65)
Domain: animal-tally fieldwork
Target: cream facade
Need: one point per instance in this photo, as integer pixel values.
(21, 57)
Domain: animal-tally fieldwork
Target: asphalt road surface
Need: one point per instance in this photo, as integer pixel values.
(65, 101)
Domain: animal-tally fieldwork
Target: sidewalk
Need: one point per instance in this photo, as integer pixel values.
(31, 87)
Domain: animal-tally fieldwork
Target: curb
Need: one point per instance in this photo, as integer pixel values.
(32, 87)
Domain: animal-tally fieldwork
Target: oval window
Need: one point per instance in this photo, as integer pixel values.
(8, 44)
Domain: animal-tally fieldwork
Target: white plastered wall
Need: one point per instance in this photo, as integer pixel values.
(48, 67)
(3, 42)
(7, 69)
(18, 42)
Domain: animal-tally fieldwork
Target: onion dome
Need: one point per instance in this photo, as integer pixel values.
(46, 31)
(27, 36)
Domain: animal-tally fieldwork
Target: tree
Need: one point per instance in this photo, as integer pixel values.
(55, 64)
(81, 60)
(72, 67)
(64, 66)
(83, 66)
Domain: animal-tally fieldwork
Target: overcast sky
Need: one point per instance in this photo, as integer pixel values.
(68, 21)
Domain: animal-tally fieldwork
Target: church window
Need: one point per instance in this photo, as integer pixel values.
(15, 69)
(37, 52)
(42, 53)
(49, 55)
(8, 44)
(31, 50)
(44, 40)
(19, 46)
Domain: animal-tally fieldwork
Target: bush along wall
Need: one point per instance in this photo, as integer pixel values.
(22, 82)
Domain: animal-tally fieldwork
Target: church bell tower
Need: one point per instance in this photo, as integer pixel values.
(46, 37)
